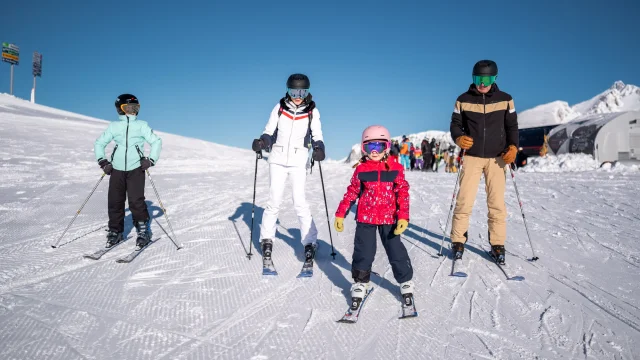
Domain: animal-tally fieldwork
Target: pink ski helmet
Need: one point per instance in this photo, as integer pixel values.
(375, 132)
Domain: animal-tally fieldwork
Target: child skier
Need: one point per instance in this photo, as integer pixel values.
(379, 185)
(127, 169)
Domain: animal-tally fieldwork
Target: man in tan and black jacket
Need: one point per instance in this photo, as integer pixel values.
(485, 124)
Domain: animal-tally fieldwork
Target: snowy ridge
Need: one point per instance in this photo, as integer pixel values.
(208, 301)
(618, 98)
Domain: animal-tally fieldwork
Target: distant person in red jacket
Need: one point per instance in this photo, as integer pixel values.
(379, 185)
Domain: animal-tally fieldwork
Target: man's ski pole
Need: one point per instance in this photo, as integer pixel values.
(513, 177)
(453, 199)
(253, 207)
(78, 212)
(326, 208)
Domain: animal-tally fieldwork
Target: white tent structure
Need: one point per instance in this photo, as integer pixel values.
(608, 137)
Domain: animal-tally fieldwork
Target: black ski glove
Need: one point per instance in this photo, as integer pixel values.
(318, 151)
(264, 143)
(257, 145)
(146, 163)
(106, 166)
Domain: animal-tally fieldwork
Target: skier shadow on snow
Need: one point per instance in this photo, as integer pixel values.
(244, 211)
(414, 230)
(154, 213)
(332, 268)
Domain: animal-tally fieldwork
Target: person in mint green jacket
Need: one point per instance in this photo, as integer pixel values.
(126, 168)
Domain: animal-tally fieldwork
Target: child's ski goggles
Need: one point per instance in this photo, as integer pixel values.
(375, 146)
(130, 108)
(298, 93)
(486, 80)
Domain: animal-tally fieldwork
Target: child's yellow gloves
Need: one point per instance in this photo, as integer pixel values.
(401, 227)
(338, 224)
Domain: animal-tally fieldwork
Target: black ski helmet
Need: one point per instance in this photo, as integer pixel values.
(485, 68)
(125, 99)
(298, 81)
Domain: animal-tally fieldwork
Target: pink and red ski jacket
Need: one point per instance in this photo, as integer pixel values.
(382, 193)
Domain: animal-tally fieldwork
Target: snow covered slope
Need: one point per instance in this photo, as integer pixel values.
(619, 97)
(208, 301)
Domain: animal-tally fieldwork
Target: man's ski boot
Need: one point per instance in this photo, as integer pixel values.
(267, 262)
(458, 250)
(113, 238)
(144, 234)
(408, 305)
(498, 252)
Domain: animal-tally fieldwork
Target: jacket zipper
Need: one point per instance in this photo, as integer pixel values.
(293, 123)
(378, 188)
(126, 149)
(484, 125)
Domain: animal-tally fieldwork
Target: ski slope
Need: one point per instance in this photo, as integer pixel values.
(209, 301)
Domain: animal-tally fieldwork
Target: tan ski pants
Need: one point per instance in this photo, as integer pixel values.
(495, 178)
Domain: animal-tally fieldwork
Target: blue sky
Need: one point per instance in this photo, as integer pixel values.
(214, 70)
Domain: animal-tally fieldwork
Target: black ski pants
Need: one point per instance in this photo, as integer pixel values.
(121, 184)
(365, 250)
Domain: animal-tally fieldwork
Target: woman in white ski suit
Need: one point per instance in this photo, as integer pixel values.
(293, 129)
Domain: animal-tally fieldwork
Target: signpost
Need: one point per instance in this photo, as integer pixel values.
(37, 71)
(11, 54)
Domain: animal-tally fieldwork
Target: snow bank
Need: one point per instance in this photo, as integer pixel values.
(573, 163)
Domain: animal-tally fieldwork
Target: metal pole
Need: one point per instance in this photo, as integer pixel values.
(11, 84)
(164, 211)
(253, 207)
(326, 209)
(34, 89)
(78, 212)
(513, 177)
(453, 199)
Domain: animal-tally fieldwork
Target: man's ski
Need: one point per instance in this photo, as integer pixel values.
(98, 254)
(351, 316)
(408, 307)
(132, 255)
(458, 268)
(502, 266)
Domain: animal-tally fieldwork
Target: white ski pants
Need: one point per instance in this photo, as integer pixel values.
(277, 178)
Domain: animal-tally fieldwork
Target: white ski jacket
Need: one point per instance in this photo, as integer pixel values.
(293, 132)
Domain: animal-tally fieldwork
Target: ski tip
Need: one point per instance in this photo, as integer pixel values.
(459, 274)
(517, 278)
(270, 273)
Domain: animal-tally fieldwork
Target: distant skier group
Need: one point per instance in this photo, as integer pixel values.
(483, 125)
(427, 156)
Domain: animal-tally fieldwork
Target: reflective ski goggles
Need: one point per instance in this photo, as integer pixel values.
(298, 93)
(130, 108)
(378, 146)
(486, 80)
